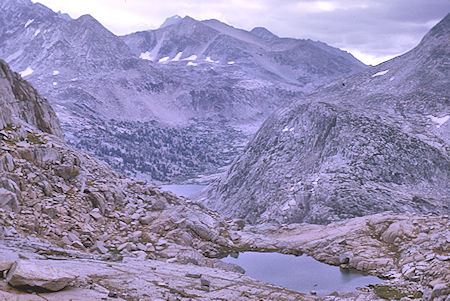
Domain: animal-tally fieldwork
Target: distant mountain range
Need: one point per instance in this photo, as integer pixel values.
(167, 104)
(371, 142)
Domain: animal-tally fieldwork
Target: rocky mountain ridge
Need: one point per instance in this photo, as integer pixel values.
(259, 52)
(206, 75)
(368, 143)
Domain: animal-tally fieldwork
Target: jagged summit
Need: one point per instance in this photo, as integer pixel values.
(374, 141)
(171, 21)
(289, 60)
(65, 16)
(87, 18)
(263, 33)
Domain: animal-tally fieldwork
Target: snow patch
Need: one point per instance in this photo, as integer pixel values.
(37, 32)
(26, 72)
(380, 73)
(23, 144)
(285, 129)
(291, 129)
(439, 120)
(146, 56)
(55, 72)
(252, 84)
(316, 181)
(209, 60)
(28, 23)
(177, 57)
(231, 63)
(392, 78)
(191, 64)
(55, 83)
(164, 59)
(191, 58)
(288, 205)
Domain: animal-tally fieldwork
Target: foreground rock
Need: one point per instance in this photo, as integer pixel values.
(136, 279)
(7, 259)
(38, 276)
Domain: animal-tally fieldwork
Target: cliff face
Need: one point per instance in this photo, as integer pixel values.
(20, 102)
(372, 142)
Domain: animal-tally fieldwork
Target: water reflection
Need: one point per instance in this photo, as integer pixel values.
(301, 273)
(188, 190)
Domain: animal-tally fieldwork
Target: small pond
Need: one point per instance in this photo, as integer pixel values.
(187, 190)
(301, 273)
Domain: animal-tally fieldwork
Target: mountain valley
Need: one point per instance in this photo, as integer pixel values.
(308, 152)
(198, 76)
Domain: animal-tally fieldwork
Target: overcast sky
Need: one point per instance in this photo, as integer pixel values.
(372, 30)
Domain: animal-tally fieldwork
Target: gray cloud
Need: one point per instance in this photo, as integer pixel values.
(373, 30)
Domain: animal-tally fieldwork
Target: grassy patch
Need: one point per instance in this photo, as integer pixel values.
(391, 293)
(9, 127)
(33, 138)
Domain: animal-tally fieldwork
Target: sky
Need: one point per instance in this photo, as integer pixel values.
(372, 30)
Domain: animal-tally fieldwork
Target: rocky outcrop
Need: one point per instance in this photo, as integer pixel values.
(8, 200)
(368, 143)
(7, 259)
(21, 101)
(76, 201)
(38, 275)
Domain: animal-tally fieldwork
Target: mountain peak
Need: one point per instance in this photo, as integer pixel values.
(171, 20)
(87, 18)
(65, 16)
(263, 33)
